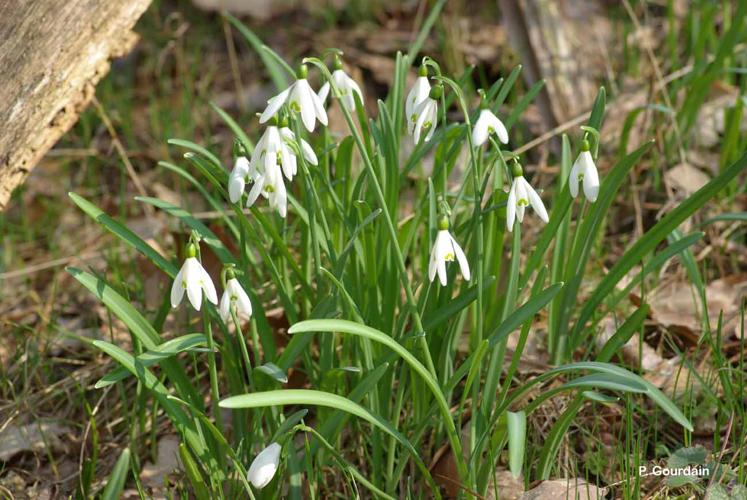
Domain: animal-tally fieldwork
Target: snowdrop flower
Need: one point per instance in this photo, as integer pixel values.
(445, 249)
(301, 99)
(487, 123)
(264, 466)
(238, 178)
(584, 170)
(269, 183)
(306, 150)
(234, 300)
(346, 85)
(426, 115)
(418, 93)
(272, 144)
(520, 196)
(193, 278)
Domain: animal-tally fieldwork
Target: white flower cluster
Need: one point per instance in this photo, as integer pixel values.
(195, 280)
(274, 155)
(275, 159)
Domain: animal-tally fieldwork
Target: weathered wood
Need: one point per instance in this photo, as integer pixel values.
(52, 55)
(564, 43)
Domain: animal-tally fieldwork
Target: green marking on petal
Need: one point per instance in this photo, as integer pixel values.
(523, 202)
(449, 257)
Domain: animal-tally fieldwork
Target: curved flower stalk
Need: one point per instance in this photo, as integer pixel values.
(584, 171)
(269, 183)
(520, 197)
(193, 279)
(426, 115)
(301, 98)
(418, 93)
(264, 466)
(234, 300)
(445, 249)
(239, 177)
(345, 84)
(487, 123)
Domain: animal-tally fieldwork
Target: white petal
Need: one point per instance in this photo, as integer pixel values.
(264, 466)
(192, 277)
(511, 207)
(422, 115)
(323, 92)
(591, 177)
(433, 262)
(536, 202)
(243, 304)
(281, 198)
(461, 258)
(441, 268)
(177, 288)
(301, 95)
(321, 114)
(308, 153)
(208, 286)
(256, 190)
(288, 162)
(433, 118)
(521, 197)
(498, 127)
(480, 130)
(354, 89)
(225, 307)
(274, 104)
(576, 169)
(417, 94)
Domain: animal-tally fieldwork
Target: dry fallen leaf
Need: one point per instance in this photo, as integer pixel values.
(558, 489)
(32, 437)
(675, 304)
(167, 461)
(685, 178)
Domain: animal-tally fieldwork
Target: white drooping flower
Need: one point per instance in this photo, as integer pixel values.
(272, 143)
(306, 149)
(418, 93)
(585, 171)
(238, 178)
(346, 85)
(520, 197)
(234, 300)
(446, 249)
(301, 99)
(193, 279)
(426, 115)
(487, 123)
(269, 183)
(264, 466)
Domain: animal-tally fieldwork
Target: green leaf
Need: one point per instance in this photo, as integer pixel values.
(116, 482)
(124, 234)
(517, 432)
(235, 127)
(151, 357)
(288, 424)
(319, 398)
(610, 381)
(274, 68)
(649, 241)
(274, 372)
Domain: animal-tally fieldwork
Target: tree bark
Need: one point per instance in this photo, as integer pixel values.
(52, 55)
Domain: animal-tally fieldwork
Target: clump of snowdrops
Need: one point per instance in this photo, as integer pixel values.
(382, 267)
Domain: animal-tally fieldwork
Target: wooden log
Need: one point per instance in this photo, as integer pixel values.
(52, 55)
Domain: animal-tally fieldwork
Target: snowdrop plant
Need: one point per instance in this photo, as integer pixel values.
(584, 172)
(194, 280)
(446, 249)
(521, 196)
(301, 99)
(346, 86)
(347, 256)
(264, 466)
